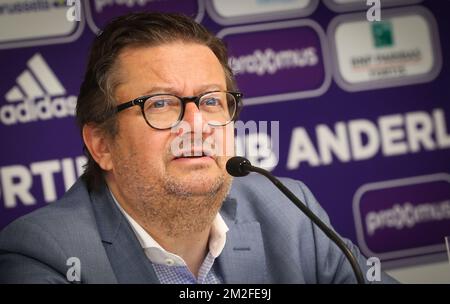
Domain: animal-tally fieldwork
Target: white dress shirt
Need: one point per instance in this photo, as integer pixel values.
(158, 255)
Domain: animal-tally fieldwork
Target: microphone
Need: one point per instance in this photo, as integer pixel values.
(239, 166)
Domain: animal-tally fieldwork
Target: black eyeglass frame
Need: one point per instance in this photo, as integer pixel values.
(140, 101)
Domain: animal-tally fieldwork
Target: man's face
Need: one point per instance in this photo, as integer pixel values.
(143, 155)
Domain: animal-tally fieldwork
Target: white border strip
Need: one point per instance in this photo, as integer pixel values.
(447, 245)
(281, 25)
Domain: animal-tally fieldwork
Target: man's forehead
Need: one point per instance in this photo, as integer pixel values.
(180, 57)
(171, 68)
(175, 48)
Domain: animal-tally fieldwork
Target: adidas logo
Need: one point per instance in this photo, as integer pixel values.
(38, 95)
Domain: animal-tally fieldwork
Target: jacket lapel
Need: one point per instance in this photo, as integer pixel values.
(241, 261)
(243, 257)
(127, 258)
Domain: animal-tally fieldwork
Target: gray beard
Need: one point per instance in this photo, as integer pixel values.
(166, 203)
(173, 208)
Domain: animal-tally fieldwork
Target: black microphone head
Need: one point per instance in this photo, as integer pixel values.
(236, 166)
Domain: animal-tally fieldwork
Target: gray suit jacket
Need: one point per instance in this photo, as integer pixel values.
(269, 240)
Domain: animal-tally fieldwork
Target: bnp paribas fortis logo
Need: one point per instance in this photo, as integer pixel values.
(382, 34)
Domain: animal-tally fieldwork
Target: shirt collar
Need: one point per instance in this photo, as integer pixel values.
(158, 255)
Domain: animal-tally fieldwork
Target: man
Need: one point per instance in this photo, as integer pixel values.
(154, 204)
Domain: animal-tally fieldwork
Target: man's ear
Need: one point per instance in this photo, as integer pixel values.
(98, 145)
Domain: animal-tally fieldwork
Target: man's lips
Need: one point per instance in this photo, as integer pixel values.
(194, 154)
(199, 160)
(194, 160)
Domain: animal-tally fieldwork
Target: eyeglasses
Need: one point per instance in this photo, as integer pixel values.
(165, 111)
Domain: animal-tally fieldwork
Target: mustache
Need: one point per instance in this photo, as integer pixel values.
(189, 145)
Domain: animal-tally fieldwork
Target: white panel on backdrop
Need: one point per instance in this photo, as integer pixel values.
(353, 5)
(402, 49)
(36, 23)
(245, 11)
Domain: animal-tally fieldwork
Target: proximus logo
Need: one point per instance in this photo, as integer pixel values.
(101, 4)
(270, 61)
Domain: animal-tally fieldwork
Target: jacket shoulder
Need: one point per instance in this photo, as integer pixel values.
(256, 191)
(66, 215)
(49, 236)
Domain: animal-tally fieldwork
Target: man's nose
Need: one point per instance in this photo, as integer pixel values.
(193, 116)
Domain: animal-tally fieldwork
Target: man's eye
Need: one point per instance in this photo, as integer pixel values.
(159, 104)
(212, 102)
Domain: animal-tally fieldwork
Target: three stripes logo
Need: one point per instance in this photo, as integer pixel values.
(38, 95)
